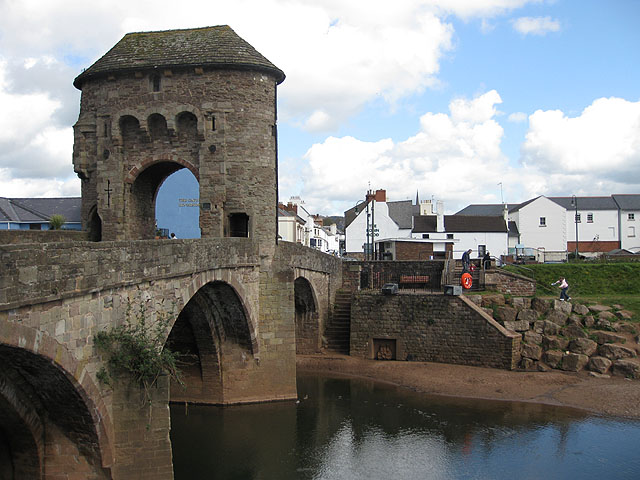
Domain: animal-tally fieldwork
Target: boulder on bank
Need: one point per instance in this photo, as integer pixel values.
(616, 352)
(584, 346)
(531, 351)
(532, 337)
(540, 305)
(558, 317)
(574, 362)
(599, 364)
(528, 315)
(626, 368)
(574, 331)
(564, 307)
(517, 326)
(580, 309)
(608, 337)
(553, 358)
(554, 343)
(506, 314)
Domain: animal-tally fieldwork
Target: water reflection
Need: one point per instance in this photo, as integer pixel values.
(351, 429)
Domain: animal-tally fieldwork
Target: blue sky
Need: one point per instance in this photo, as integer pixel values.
(445, 98)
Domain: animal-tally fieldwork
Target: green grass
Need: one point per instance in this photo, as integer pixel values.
(605, 283)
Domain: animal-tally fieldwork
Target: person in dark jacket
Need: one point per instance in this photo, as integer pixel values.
(486, 261)
(466, 261)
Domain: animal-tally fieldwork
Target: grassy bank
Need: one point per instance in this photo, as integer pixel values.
(607, 283)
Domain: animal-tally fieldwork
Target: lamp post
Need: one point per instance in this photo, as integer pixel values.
(574, 203)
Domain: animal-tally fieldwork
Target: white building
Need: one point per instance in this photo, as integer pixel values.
(385, 219)
(543, 225)
(629, 221)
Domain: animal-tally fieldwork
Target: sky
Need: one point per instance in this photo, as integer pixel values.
(464, 101)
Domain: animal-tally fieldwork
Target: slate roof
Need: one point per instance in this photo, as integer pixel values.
(460, 223)
(586, 203)
(402, 212)
(490, 209)
(38, 210)
(627, 202)
(513, 229)
(215, 47)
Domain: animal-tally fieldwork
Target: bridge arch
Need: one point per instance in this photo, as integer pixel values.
(215, 335)
(145, 181)
(307, 316)
(47, 392)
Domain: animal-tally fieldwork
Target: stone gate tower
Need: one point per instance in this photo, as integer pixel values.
(202, 99)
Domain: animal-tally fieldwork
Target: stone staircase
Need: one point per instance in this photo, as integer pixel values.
(475, 275)
(338, 331)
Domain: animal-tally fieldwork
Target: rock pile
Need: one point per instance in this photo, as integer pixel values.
(569, 336)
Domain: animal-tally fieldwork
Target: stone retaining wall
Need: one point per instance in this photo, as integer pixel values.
(8, 237)
(510, 283)
(432, 328)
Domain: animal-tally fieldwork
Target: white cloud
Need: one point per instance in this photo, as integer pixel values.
(600, 148)
(455, 157)
(517, 117)
(536, 25)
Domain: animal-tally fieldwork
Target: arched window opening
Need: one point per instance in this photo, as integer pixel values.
(130, 130)
(95, 225)
(178, 206)
(187, 124)
(157, 126)
(239, 225)
(155, 83)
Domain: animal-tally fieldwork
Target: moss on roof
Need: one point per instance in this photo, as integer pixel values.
(217, 47)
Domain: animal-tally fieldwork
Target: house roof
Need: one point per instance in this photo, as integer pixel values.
(214, 47)
(38, 210)
(490, 209)
(460, 223)
(402, 212)
(627, 202)
(586, 203)
(513, 229)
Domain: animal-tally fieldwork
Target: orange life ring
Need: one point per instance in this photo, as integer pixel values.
(466, 280)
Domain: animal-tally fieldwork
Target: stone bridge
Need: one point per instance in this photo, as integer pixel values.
(240, 312)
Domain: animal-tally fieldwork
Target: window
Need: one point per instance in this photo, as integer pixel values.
(450, 236)
(631, 232)
(589, 217)
(631, 217)
(482, 249)
(577, 218)
(543, 221)
(425, 235)
(239, 225)
(155, 83)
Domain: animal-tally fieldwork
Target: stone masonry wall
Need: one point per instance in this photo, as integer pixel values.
(432, 328)
(41, 236)
(509, 283)
(54, 271)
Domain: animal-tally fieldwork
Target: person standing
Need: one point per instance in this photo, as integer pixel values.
(486, 261)
(466, 261)
(563, 286)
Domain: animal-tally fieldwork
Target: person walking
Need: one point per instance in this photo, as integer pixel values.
(563, 286)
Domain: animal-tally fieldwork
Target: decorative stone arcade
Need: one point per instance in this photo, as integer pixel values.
(202, 99)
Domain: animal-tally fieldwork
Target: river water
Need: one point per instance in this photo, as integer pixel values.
(358, 429)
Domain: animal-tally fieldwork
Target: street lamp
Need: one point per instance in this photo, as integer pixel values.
(574, 203)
